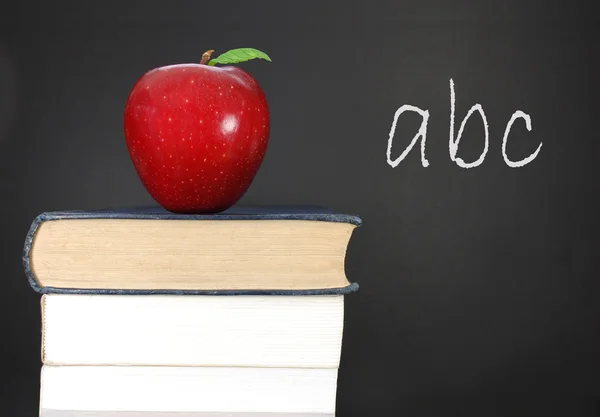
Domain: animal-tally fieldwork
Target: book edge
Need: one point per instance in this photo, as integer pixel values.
(83, 214)
(353, 287)
(49, 412)
(43, 322)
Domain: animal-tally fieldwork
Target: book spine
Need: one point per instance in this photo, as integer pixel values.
(33, 282)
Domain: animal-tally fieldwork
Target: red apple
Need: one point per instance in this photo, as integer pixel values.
(197, 135)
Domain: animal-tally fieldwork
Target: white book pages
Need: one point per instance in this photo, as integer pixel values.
(258, 331)
(186, 389)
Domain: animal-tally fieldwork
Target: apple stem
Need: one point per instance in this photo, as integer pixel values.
(206, 56)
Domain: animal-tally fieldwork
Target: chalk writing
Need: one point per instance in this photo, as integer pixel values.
(453, 145)
(421, 133)
(531, 157)
(454, 142)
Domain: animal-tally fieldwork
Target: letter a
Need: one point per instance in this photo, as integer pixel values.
(421, 133)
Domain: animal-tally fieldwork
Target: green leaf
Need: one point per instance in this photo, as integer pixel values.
(239, 55)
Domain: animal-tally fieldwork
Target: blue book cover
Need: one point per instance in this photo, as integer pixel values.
(250, 213)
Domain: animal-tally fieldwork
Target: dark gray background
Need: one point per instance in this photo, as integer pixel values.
(473, 282)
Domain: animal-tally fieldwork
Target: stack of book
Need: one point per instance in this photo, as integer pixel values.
(150, 313)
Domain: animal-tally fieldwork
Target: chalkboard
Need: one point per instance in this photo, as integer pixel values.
(474, 280)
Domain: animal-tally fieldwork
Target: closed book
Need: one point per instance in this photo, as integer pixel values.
(222, 391)
(151, 251)
(167, 330)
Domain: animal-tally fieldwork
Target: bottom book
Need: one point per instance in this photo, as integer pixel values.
(155, 391)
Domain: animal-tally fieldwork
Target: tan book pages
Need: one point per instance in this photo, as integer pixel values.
(190, 255)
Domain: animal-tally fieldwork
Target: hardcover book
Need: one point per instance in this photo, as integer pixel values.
(268, 250)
